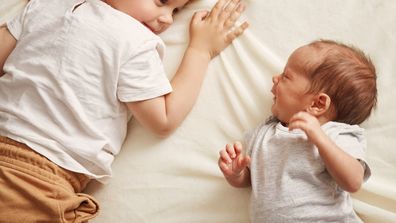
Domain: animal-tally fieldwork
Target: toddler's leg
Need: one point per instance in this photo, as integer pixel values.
(33, 189)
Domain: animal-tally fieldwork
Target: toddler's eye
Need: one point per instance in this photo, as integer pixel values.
(164, 1)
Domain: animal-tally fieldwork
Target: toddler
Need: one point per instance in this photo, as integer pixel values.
(72, 70)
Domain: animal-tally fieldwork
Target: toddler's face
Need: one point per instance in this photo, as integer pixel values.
(157, 15)
(290, 88)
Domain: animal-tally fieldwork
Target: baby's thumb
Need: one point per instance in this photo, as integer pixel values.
(243, 161)
(247, 160)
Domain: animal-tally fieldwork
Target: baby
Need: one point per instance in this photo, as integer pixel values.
(305, 159)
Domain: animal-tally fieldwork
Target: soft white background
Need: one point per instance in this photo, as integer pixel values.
(177, 179)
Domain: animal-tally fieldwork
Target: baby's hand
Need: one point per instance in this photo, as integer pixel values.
(308, 123)
(211, 32)
(232, 162)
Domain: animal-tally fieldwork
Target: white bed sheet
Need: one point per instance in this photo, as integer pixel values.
(176, 179)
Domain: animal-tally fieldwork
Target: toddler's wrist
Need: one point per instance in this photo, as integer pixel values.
(206, 55)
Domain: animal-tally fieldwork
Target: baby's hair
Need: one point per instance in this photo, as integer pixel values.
(347, 76)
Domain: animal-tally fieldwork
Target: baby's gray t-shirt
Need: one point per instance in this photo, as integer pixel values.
(290, 182)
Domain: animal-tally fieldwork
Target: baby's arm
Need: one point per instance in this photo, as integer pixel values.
(210, 33)
(8, 43)
(346, 170)
(234, 165)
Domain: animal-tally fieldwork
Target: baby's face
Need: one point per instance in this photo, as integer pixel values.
(157, 15)
(290, 87)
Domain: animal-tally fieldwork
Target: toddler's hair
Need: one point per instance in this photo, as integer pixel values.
(348, 76)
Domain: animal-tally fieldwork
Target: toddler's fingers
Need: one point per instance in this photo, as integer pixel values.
(214, 13)
(230, 150)
(228, 10)
(225, 157)
(230, 22)
(237, 32)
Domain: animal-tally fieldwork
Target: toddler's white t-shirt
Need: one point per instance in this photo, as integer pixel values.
(74, 65)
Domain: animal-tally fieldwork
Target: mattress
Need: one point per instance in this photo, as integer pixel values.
(176, 179)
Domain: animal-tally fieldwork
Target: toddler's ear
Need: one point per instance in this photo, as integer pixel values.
(320, 105)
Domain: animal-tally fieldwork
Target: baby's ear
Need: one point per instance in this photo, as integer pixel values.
(320, 105)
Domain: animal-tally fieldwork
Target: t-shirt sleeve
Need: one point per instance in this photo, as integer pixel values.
(15, 25)
(353, 142)
(143, 76)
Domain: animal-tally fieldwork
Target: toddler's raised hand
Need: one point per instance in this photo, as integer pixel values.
(211, 32)
(232, 162)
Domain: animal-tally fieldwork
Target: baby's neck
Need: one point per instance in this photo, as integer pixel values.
(322, 120)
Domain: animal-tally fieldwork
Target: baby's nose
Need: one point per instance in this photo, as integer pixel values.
(275, 79)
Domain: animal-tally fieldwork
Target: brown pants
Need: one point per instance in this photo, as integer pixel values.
(33, 189)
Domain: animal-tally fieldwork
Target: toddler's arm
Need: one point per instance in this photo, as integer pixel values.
(210, 33)
(346, 170)
(234, 165)
(8, 43)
